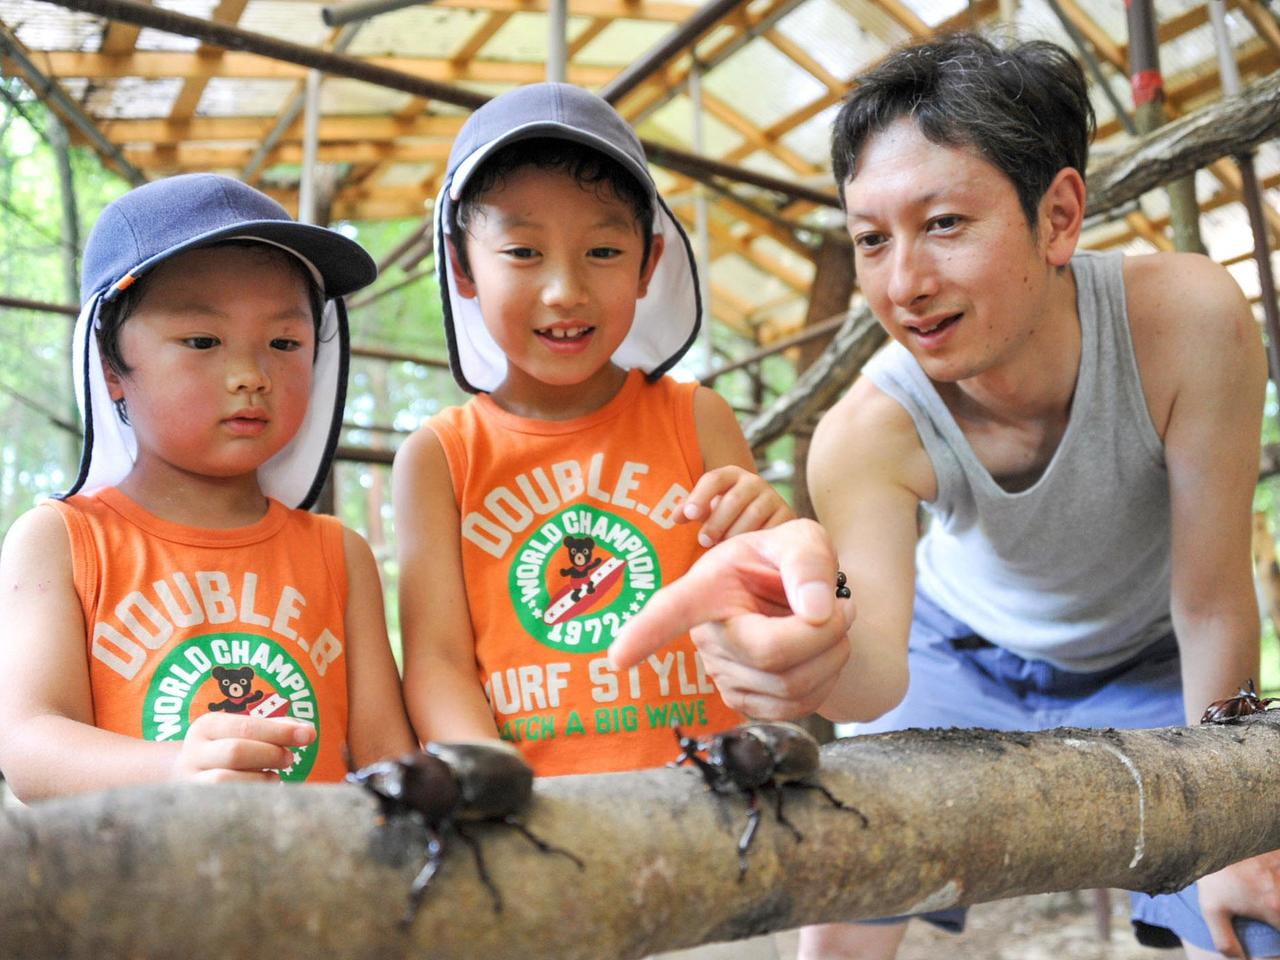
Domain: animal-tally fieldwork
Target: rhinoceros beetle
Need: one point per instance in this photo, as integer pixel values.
(1232, 709)
(446, 785)
(755, 757)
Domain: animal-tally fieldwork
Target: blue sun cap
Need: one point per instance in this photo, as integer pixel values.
(159, 220)
(667, 317)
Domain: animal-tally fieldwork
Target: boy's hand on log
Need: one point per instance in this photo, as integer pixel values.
(763, 614)
(221, 748)
(733, 501)
(1250, 888)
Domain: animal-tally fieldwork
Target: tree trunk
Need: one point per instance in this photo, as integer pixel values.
(955, 817)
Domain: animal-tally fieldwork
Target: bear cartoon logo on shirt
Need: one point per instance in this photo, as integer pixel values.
(580, 576)
(237, 673)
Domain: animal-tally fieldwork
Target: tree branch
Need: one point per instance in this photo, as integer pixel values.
(956, 817)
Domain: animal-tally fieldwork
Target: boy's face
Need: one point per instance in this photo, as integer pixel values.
(220, 348)
(557, 271)
(944, 253)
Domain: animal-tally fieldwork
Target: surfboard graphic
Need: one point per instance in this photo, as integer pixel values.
(572, 601)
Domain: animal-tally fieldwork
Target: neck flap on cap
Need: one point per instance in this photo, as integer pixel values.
(293, 476)
(667, 318)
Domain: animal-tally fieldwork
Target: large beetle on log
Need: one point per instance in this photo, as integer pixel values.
(1232, 709)
(446, 785)
(754, 757)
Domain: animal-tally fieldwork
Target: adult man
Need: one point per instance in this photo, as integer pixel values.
(1082, 428)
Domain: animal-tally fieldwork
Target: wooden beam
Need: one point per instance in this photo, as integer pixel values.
(905, 17)
(188, 98)
(587, 34)
(801, 58)
(1263, 21)
(354, 129)
(603, 9)
(155, 64)
(481, 35)
(733, 119)
(190, 157)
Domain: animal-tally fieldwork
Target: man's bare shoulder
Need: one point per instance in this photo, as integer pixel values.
(868, 434)
(1190, 322)
(1181, 292)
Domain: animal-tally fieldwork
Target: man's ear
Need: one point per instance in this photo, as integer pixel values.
(466, 286)
(1062, 216)
(656, 246)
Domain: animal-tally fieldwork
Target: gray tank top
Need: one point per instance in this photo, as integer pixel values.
(1075, 569)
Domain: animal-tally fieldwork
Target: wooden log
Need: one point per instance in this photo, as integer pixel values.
(822, 383)
(1234, 125)
(955, 817)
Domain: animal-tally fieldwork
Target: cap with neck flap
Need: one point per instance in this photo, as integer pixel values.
(667, 318)
(159, 220)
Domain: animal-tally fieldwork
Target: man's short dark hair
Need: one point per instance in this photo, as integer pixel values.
(1023, 107)
(111, 316)
(590, 169)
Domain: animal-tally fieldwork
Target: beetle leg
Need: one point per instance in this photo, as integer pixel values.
(777, 809)
(748, 834)
(481, 868)
(435, 854)
(538, 842)
(835, 802)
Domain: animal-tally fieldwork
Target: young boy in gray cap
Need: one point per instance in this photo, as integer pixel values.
(538, 518)
(177, 614)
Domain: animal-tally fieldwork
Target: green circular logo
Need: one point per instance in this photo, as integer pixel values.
(235, 673)
(580, 576)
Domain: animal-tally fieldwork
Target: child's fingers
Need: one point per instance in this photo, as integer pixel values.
(252, 756)
(702, 499)
(281, 731)
(236, 776)
(754, 514)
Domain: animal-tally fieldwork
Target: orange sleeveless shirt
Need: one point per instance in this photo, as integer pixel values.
(182, 621)
(568, 528)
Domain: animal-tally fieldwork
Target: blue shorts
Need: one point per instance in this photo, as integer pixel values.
(958, 679)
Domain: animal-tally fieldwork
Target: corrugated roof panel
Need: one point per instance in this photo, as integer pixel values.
(343, 97)
(420, 31)
(132, 98)
(244, 98)
(291, 20)
(875, 21)
(522, 39)
(812, 138)
(933, 12)
(832, 37)
(41, 26)
(149, 39)
(763, 84)
(622, 42)
(673, 123)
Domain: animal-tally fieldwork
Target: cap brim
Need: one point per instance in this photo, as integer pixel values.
(340, 266)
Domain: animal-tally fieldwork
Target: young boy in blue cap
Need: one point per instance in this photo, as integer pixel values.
(536, 520)
(177, 614)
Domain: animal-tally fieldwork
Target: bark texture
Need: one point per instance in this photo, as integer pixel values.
(1231, 126)
(955, 817)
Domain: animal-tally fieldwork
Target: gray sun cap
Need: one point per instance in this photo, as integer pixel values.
(159, 220)
(667, 318)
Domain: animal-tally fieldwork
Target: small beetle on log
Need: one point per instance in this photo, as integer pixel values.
(1232, 709)
(754, 757)
(447, 784)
